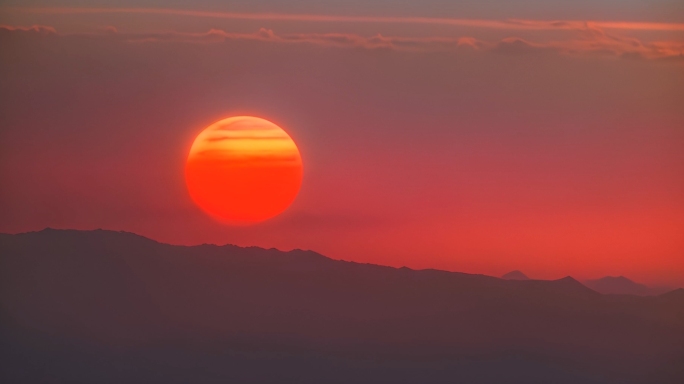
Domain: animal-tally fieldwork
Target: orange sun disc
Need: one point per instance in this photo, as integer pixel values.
(243, 170)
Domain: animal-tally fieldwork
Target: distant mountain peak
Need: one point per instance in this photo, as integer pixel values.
(616, 278)
(677, 294)
(569, 280)
(618, 285)
(515, 275)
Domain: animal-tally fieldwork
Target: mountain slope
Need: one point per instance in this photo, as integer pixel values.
(621, 285)
(129, 301)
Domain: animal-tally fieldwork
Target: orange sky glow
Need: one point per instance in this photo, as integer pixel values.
(477, 139)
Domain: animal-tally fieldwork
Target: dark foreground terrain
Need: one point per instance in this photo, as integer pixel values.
(112, 307)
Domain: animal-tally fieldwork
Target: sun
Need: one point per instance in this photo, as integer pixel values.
(243, 170)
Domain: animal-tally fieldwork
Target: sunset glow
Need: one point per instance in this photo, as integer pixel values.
(478, 137)
(492, 194)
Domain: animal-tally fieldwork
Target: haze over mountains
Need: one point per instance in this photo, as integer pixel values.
(103, 306)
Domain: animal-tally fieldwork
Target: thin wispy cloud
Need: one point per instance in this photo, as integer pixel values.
(511, 24)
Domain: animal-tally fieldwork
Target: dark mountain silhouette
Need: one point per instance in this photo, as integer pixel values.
(621, 285)
(515, 275)
(111, 307)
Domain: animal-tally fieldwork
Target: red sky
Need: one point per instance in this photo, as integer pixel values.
(481, 145)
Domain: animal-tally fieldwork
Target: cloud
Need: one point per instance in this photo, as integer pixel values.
(211, 36)
(582, 24)
(514, 45)
(513, 24)
(110, 29)
(35, 29)
(471, 42)
(589, 40)
(595, 40)
(341, 40)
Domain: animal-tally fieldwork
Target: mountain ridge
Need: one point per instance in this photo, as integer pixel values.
(621, 285)
(594, 284)
(120, 290)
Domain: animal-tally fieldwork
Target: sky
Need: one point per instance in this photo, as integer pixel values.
(480, 137)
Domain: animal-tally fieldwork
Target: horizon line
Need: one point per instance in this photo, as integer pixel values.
(507, 24)
(581, 281)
